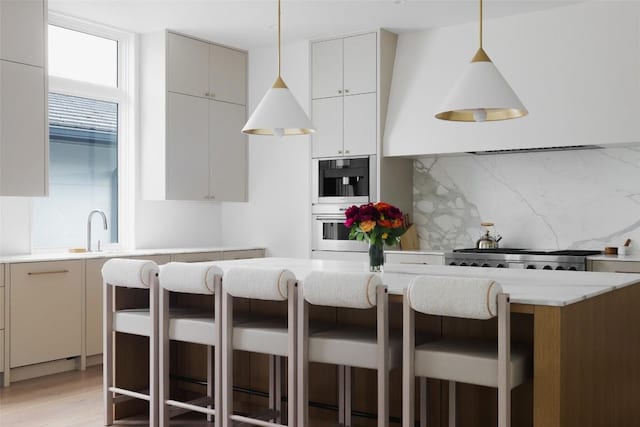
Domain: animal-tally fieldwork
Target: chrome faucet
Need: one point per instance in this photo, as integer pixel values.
(104, 221)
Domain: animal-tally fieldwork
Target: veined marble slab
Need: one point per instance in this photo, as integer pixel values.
(581, 199)
(537, 287)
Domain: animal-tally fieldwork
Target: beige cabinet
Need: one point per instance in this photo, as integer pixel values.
(23, 130)
(46, 311)
(615, 266)
(345, 66)
(413, 258)
(22, 31)
(197, 257)
(344, 92)
(244, 254)
(193, 108)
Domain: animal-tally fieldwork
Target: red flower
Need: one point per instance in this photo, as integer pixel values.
(368, 212)
(385, 223)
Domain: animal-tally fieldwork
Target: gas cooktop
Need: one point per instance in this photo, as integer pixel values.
(574, 260)
(567, 252)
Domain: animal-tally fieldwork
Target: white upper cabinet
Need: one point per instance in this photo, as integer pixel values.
(345, 103)
(22, 31)
(344, 66)
(360, 64)
(227, 150)
(228, 75)
(187, 147)
(326, 58)
(206, 70)
(23, 133)
(187, 65)
(192, 111)
(23, 99)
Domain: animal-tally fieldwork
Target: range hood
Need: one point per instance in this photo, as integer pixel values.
(535, 150)
(576, 99)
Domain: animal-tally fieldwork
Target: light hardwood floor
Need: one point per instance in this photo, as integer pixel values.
(70, 399)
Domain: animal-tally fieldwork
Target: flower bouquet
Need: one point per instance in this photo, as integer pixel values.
(377, 223)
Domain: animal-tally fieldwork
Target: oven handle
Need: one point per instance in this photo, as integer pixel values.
(329, 218)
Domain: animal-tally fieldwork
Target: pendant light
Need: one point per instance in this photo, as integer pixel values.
(278, 113)
(481, 93)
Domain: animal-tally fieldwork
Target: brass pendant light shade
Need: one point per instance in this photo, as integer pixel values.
(278, 113)
(481, 93)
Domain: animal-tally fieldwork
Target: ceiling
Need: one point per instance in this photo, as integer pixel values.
(247, 24)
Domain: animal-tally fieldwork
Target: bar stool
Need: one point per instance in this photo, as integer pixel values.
(275, 337)
(346, 346)
(140, 274)
(456, 360)
(193, 326)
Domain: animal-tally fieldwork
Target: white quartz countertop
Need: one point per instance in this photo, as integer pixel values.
(537, 287)
(61, 256)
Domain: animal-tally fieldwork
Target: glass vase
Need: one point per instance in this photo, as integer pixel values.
(376, 257)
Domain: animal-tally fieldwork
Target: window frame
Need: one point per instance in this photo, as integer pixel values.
(124, 96)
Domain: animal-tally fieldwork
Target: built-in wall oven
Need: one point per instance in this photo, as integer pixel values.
(329, 232)
(338, 181)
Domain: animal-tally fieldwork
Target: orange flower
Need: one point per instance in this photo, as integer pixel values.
(367, 226)
(382, 206)
(385, 223)
(397, 223)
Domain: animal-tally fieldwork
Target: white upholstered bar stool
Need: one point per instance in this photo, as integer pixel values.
(190, 325)
(130, 273)
(344, 345)
(275, 337)
(456, 360)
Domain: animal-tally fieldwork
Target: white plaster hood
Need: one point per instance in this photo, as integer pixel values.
(575, 68)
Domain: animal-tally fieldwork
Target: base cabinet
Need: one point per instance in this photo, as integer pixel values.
(614, 266)
(46, 312)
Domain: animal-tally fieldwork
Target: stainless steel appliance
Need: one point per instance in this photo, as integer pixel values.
(329, 232)
(344, 180)
(573, 260)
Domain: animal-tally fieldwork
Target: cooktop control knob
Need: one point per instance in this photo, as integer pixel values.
(531, 267)
(500, 266)
(547, 267)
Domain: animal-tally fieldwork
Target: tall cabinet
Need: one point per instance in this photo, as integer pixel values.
(350, 83)
(24, 135)
(193, 107)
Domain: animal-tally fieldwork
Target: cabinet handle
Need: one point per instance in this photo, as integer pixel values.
(339, 91)
(39, 273)
(339, 151)
(346, 151)
(346, 91)
(206, 94)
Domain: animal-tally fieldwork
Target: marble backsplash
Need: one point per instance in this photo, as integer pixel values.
(578, 199)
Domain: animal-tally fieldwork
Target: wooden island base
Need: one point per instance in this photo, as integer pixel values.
(586, 372)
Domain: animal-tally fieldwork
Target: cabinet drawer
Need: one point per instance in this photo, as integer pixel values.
(426, 259)
(1, 274)
(1, 308)
(198, 257)
(616, 266)
(46, 311)
(251, 253)
(1, 351)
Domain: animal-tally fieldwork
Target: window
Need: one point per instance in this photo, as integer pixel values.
(88, 108)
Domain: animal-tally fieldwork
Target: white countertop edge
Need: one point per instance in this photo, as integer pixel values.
(624, 258)
(69, 256)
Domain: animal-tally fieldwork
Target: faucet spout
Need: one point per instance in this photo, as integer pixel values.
(104, 222)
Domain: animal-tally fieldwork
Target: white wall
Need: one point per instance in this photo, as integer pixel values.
(575, 68)
(15, 225)
(278, 214)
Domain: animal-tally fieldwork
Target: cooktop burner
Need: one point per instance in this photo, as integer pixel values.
(520, 258)
(511, 251)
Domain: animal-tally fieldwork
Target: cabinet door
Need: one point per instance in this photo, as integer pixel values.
(360, 64)
(228, 75)
(616, 266)
(93, 308)
(187, 151)
(22, 27)
(187, 65)
(327, 117)
(23, 132)
(326, 66)
(360, 124)
(227, 152)
(197, 257)
(46, 311)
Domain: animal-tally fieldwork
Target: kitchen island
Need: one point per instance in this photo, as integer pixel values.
(582, 328)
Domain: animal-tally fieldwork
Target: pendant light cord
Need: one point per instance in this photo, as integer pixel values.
(279, 26)
(480, 24)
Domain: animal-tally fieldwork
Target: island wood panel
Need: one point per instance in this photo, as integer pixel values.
(587, 362)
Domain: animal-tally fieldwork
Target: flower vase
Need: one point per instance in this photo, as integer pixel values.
(376, 257)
